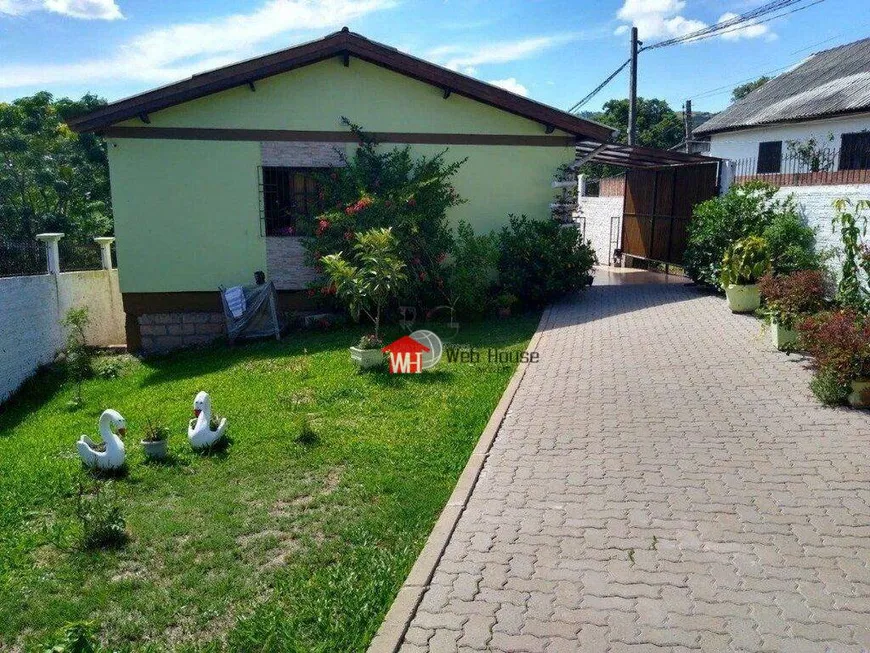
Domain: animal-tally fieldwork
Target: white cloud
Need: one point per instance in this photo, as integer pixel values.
(466, 59)
(752, 30)
(663, 19)
(175, 51)
(510, 84)
(85, 9)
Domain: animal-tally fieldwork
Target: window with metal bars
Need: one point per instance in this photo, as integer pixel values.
(290, 196)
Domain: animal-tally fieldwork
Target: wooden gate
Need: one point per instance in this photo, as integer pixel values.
(658, 206)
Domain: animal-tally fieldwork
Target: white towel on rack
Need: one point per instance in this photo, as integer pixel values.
(235, 298)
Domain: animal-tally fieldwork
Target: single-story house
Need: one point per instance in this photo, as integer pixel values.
(195, 166)
(826, 98)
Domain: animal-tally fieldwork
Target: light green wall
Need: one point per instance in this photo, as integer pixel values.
(315, 97)
(187, 212)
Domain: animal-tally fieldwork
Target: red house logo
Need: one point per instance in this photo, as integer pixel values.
(406, 355)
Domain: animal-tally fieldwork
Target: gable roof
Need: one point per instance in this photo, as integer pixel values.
(348, 44)
(830, 83)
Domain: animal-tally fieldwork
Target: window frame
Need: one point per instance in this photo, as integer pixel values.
(854, 156)
(287, 199)
(766, 162)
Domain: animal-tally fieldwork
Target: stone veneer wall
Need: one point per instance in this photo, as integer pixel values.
(285, 263)
(162, 332)
(598, 212)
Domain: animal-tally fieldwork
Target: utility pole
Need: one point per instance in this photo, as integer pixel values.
(632, 90)
(687, 118)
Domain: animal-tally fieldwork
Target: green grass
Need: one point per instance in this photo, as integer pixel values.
(280, 542)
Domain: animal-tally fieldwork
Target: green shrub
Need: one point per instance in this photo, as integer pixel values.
(389, 188)
(469, 273)
(792, 243)
(541, 261)
(852, 222)
(370, 276)
(745, 210)
(78, 356)
(100, 516)
(829, 389)
(745, 262)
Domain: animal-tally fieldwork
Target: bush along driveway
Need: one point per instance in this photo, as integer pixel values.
(295, 537)
(663, 480)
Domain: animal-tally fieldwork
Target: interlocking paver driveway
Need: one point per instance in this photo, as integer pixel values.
(663, 481)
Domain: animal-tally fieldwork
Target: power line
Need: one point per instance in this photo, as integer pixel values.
(717, 29)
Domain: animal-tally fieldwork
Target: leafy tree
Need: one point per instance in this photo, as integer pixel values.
(369, 277)
(381, 188)
(657, 126)
(51, 178)
(743, 90)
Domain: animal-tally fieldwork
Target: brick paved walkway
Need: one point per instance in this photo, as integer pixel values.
(663, 481)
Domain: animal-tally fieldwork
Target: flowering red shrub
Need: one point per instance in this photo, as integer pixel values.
(840, 343)
(792, 296)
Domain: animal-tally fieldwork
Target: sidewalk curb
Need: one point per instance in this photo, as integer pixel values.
(391, 634)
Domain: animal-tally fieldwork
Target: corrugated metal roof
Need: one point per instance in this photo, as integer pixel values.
(830, 82)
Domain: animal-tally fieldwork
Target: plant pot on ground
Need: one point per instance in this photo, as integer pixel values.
(745, 262)
(839, 342)
(788, 299)
(156, 441)
(367, 353)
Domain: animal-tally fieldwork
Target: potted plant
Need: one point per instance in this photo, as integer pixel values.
(155, 441)
(505, 303)
(744, 263)
(840, 343)
(367, 352)
(790, 298)
(368, 277)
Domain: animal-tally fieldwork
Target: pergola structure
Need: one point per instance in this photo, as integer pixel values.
(635, 156)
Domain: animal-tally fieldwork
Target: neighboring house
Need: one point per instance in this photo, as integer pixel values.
(826, 98)
(202, 171)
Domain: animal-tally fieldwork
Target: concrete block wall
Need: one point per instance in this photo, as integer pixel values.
(31, 308)
(163, 332)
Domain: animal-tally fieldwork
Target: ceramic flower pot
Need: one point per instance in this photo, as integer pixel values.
(366, 358)
(860, 395)
(781, 337)
(743, 299)
(155, 449)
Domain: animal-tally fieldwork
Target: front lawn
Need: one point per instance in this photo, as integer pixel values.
(273, 544)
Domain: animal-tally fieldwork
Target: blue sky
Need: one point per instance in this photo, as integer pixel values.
(554, 51)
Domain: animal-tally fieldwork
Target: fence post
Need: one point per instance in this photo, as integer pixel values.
(581, 185)
(105, 243)
(52, 255)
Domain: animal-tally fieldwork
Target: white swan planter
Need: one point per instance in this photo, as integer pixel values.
(199, 431)
(115, 454)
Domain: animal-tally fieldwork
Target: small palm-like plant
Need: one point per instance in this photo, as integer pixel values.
(745, 262)
(369, 277)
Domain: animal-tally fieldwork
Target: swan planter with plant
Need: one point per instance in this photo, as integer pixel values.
(745, 262)
(110, 453)
(367, 352)
(204, 430)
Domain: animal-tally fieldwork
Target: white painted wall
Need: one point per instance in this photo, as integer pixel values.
(743, 144)
(598, 211)
(30, 312)
(814, 204)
